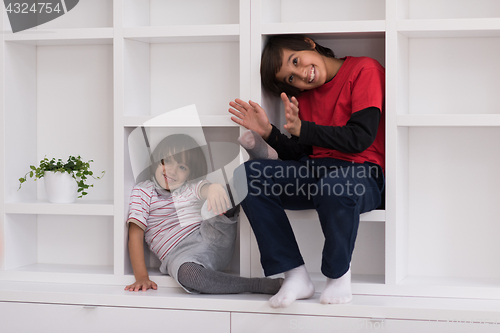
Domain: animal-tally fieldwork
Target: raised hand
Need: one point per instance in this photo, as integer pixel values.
(217, 198)
(251, 116)
(293, 122)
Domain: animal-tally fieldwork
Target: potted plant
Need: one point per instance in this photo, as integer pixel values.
(63, 181)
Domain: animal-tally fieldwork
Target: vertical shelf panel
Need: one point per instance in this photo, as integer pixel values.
(20, 119)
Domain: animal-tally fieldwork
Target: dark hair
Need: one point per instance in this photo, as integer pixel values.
(272, 54)
(184, 149)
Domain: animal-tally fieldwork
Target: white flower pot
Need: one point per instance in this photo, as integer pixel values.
(60, 187)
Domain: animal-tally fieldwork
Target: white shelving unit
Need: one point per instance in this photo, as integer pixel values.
(82, 83)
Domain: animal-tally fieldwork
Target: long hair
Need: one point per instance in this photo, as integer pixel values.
(184, 149)
(271, 61)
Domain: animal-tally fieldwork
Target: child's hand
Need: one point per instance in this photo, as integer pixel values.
(217, 199)
(142, 284)
(293, 122)
(251, 116)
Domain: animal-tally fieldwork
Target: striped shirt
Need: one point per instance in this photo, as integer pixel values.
(166, 218)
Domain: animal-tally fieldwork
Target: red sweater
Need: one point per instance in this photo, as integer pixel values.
(359, 84)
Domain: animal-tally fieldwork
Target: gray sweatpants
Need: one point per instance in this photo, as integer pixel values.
(211, 246)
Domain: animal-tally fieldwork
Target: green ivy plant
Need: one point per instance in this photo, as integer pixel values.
(77, 168)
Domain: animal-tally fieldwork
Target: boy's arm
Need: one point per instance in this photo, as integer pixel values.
(136, 251)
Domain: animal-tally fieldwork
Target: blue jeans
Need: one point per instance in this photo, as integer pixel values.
(339, 191)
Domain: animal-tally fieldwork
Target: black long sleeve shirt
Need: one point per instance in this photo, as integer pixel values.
(357, 135)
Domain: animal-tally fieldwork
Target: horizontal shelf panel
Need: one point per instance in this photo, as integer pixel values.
(369, 306)
(458, 120)
(310, 214)
(63, 274)
(451, 281)
(63, 36)
(343, 27)
(184, 34)
(73, 269)
(450, 28)
(457, 287)
(99, 208)
(208, 121)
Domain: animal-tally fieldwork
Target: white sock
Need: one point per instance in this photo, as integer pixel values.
(256, 147)
(337, 291)
(297, 285)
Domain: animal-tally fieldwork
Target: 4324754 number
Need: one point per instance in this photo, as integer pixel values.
(40, 7)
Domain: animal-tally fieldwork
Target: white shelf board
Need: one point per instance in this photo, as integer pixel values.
(452, 120)
(451, 287)
(62, 36)
(57, 273)
(348, 28)
(73, 269)
(450, 28)
(80, 207)
(208, 121)
(452, 281)
(310, 214)
(184, 33)
(369, 306)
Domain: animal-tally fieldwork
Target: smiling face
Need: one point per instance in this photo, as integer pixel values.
(171, 174)
(304, 70)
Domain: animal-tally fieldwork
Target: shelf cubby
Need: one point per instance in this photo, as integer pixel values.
(155, 73)
(223, 151)
(61, 93)
(359, 34)
(368, 262)
(440, 81)
(171, 12)
(48, 244)
(453, 208)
